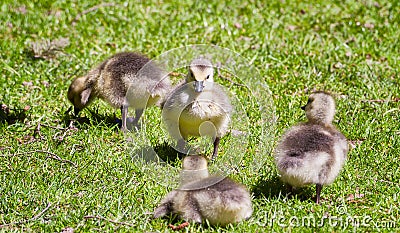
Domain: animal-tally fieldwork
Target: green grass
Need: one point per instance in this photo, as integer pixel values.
(348, 48)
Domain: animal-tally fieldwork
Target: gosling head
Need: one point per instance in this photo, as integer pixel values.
(320, 108)
(194, 162)
(79, 93)
(194, 168)
(200, 71)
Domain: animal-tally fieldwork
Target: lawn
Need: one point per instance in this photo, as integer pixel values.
(59, 173)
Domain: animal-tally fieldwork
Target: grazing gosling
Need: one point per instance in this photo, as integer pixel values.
(198, 107)
(201, 197)
(315, 151)
(124, 80)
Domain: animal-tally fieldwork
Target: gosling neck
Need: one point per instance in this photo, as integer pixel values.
(321, 122)
(188, 176)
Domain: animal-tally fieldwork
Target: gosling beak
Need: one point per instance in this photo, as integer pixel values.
(303, 107)
(198, 86)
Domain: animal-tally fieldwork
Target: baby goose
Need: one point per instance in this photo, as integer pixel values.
(124, 80)
(315, 151)
(203, 197)
(198, 107)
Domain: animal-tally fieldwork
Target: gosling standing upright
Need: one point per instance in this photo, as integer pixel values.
(202, 197)
(124, 80)
(315, 151)
(195, 102)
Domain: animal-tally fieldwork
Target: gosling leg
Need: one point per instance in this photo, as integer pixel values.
(290, 189)
(318, 189)
(138, 114)
(124, 115)
(216, 144)
(76, 111)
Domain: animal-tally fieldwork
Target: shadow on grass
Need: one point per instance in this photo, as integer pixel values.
(269, 188)
(94, 119)
(12, 116)
(274, 188)
(162, 153)
(167, 153)
(175, 220)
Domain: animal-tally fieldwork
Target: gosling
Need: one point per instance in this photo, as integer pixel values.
(124, 80)
(201, 197)
(315, 151)
(198, 107)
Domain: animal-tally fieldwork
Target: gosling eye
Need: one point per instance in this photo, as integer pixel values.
(208, 76)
